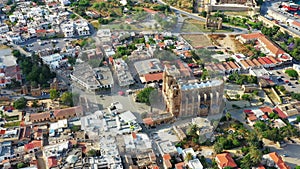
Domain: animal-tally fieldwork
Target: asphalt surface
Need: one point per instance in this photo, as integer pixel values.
(273, 5)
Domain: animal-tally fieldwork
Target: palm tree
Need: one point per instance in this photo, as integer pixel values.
(188, 157)
(255, 155)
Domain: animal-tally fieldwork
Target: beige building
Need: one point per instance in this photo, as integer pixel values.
(185, 97)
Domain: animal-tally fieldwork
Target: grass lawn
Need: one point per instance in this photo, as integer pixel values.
(197, 40)
(191, 25)
(239, 13)
(116, 26)
(12, 124)
(95, 24)
(11, 118)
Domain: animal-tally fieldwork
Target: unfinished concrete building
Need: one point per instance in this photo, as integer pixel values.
(185, 96)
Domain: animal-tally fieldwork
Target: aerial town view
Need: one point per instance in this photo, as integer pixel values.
(150, 84)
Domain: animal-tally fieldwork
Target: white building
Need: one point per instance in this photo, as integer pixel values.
(53, 60)
(4, 28)
(124, 76)
(195, 164)
(82, 28)
(68, 29)
(65, 2)
(14, 37)
(296, 67)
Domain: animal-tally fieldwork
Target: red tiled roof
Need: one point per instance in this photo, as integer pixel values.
(233, 65)
(40, 116)
(245, 64)
(148, 121)
(2, 131)
(220, 66)
(273, 59)
(150, 11)
(161, 44)
(168, 163)
(179, 165)
(261, 61)
(251, 36)
(133, 134)
(271, 46)
(280, 113)
(268, 61)
(52, 162)
(227, 66)
(252, 117)
(33, 144)
(278, 161)
(225, 160)
(296, 23)
(261, 167)
(266, 109)
(247, 111)
(41, 31)
(166, 157)
(68, 112)
(256, 62)
(155, 167)
(250, 63)
(150, 77)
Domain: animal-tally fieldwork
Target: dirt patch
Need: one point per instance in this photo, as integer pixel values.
(197, 41)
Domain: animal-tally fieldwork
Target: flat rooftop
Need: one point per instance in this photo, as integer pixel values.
(148, 66)
(85, 73)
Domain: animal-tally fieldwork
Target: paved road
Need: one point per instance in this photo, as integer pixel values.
(273, 5)
(290, 151)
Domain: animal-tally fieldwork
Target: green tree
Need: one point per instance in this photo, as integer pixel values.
(67, 98)
(218, 147)
(73, 16)
(261, 100)
(54, 94)
(16, 53)
(298, 119)
(21, 165)
(273, 115)
(20, 103)
(227, 167)
(246, 97)
(255, 92)
(255, 155)
(228, 116)
(91, 153)
(188, 157)
(237, 96)
(192, 130)
(292, 73)
(297, 167)
(35, 103)
(144, 95)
